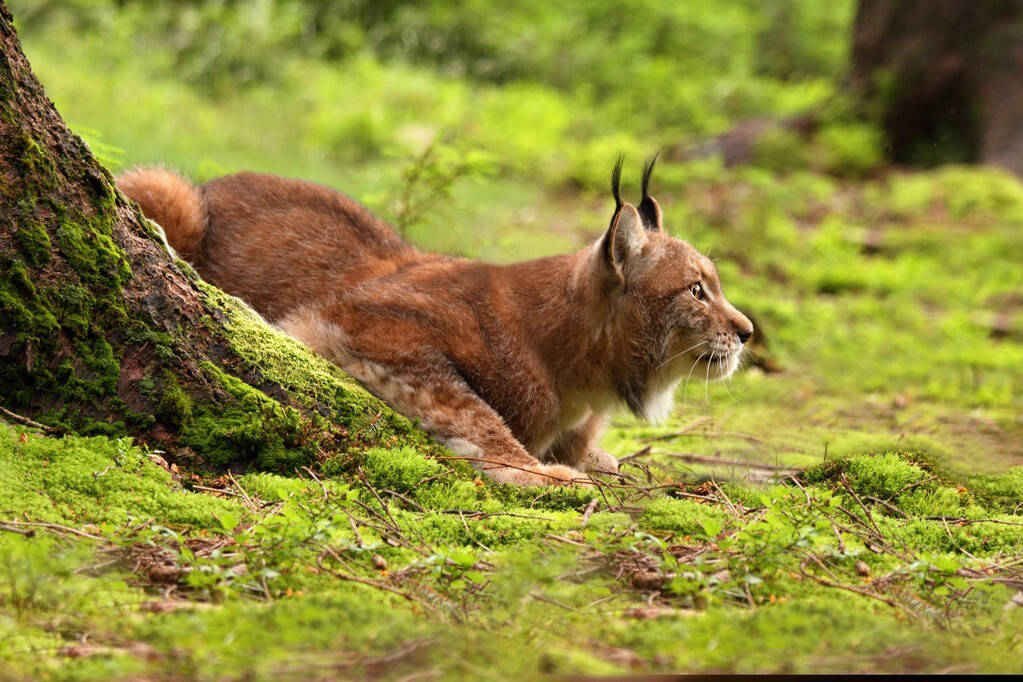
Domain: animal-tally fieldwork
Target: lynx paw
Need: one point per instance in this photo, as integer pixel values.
(598, 461)
(544, 474)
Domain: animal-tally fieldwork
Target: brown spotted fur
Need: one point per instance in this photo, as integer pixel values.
(513, 367)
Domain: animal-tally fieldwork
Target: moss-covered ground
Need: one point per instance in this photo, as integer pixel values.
(851, 501)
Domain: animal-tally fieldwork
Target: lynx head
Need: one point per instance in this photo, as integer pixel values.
(669, 298)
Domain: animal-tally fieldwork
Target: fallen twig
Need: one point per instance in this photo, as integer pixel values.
(25, 421)
(590, 508)
(707, 459)
(696, 423)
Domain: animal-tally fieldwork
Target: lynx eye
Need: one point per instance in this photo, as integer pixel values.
(697, 291)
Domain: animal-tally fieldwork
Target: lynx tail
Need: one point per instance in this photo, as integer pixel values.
(172, 202)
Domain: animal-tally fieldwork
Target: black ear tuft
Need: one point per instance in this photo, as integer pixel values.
(648, 170)
(616, 182)
(649, 209)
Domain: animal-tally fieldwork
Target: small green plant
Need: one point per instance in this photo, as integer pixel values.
(427, 181)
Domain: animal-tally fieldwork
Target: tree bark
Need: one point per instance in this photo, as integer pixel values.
(102, 331)
(944, 77)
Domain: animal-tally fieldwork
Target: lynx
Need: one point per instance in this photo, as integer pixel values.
(513, 367)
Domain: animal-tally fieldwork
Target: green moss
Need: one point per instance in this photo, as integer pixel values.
(175, 406)
(87, 246)
(399, 469)
(680, 515)
(249, 427)
(98, 358)
(73, 305)
(37, 164)
(35, 242)
(94, 480)
(1001, 492)
(21, 308)
(882, 475)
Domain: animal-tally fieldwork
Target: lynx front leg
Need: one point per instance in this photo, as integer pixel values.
(454, 415)
(445, 405)
(579, 448)
(451, 412)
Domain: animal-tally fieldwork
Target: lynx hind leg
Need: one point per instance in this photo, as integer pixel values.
(447, 408)
(578, 448)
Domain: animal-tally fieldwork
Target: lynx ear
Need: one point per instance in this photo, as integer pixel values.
(649, 209)
(626, 236)
(624, 240)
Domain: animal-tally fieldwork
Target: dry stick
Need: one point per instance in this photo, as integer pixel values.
(913, 485)
(245, 495)
(394, 524)
(567, 541)
(721, 434)
(838, 536)
(600, 489)
(799, 485)
(888, 505)
(434, 477)
(707, 459)
(225, 491)
(749, 596)
(355, 529)
(28, 422)
(411, 503)
(642, 467)
(472, 536)
(590, 508)
(642, 452)
(696, 423)
(317, 479)
(540, 597)
(54, 527)
(387, 531)
(383, 505)
(484, 515)
(726, 498)
(851, 588)
(365, 581)
(845, 482)
(966, 522)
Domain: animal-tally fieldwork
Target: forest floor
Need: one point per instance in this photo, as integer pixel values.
(851, 501)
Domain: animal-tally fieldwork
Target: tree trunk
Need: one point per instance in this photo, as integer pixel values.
(945, 78)
(103, 332)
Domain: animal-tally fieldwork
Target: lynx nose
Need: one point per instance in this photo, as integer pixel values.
(744, 334)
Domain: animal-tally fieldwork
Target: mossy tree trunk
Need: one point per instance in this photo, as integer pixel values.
(945, 78)
(102, 331)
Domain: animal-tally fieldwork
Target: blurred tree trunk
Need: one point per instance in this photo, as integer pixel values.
(102, 331)
(945, 78)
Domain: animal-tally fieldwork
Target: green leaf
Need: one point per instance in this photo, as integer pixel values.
(228, 521)
(711, 527)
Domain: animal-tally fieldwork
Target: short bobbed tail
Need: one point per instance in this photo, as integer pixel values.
(172, 202)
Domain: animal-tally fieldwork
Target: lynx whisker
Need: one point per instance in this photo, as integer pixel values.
(706, 381)
(685, 389)
(701, 343)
